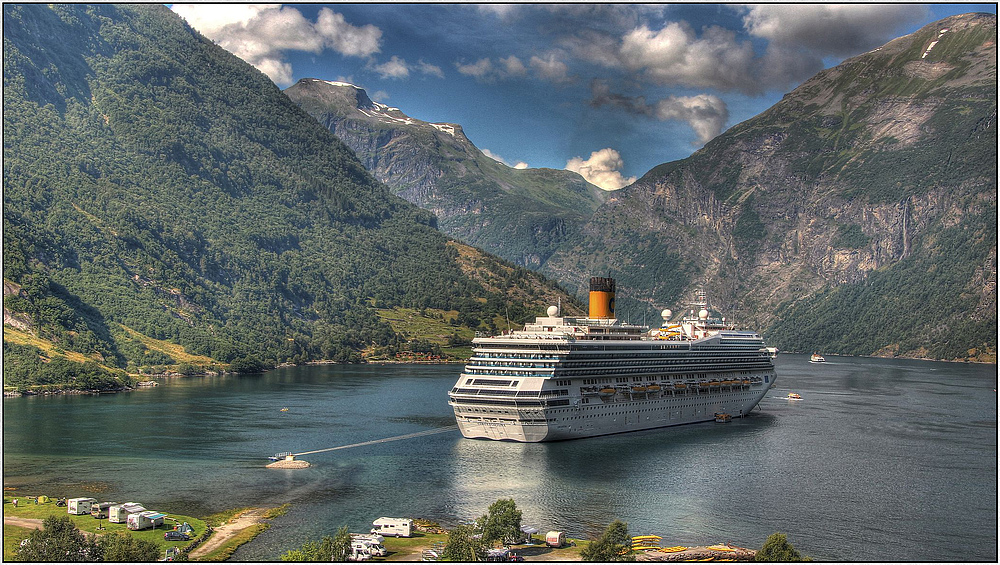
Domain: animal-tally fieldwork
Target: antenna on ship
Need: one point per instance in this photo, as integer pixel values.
(506, 310)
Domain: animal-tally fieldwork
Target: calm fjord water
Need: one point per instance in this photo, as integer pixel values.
(880, 460)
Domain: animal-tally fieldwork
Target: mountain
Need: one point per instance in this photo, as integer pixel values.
(858, 215)
(521, 215)
(166, 206)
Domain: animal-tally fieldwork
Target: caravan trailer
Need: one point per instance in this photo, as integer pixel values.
(118, 513)
(398, 527)
(100, 510)
(143, 520)
(79, 506)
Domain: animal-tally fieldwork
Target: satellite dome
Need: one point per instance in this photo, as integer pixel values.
(552, 311)
(666, 314)
(703, 314)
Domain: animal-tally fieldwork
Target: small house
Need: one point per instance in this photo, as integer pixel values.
(99, 510)
(79, 506)
(145, 520)
(118, 513)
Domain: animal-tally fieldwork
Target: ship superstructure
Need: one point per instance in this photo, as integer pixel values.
(562, 377)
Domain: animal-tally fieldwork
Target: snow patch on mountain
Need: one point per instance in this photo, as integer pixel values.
(446, 128)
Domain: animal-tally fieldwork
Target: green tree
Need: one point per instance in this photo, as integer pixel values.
(122, 547)
(501, 523)
(613, 545)
(337, 548)
(341, 547)
(777, 548)
(58, 540)
(463, 545)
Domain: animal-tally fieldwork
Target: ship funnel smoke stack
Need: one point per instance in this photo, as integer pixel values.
(602, 298)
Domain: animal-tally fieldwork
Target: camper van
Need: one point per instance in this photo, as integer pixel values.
(79, 506)
(100, 510)
(144, 520)
(370, 542)
(118, 513)
(398, 527)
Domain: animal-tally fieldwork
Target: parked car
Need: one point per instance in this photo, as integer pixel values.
(176, 536)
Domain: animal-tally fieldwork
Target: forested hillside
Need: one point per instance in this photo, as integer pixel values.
(858, 215)
(160, 192)
(522, 215)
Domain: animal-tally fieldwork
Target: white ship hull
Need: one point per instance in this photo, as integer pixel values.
(620, 417)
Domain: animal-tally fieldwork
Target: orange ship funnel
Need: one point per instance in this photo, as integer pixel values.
(602, 298)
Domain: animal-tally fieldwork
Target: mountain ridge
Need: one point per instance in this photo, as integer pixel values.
(518, 214)
(157, 186)
(857, 177)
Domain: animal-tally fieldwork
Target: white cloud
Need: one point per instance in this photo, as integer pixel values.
(705, 113)
(380, 96)
(831, 29)
(261, 34)
(676, 55)
(602, 169)
(429, 69)
(481, 70)
(513, 66)
(495, 157)
(550, 68)
(393, 68)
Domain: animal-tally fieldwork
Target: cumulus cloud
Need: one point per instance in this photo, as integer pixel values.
(705, 113)
(602, 169)
(260, 34)
(550, 68)
(429, 69)
(513, 66)
(831, 29)
(393, 68)
(481, 70)
(495, 157)
(675, 55)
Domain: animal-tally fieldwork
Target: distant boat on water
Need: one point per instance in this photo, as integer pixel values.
(817, 358)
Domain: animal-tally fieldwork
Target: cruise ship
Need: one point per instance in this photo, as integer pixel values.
(563, 378)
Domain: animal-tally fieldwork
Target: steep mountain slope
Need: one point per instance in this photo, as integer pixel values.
(858, 215)
(521, 215)
(158, 191)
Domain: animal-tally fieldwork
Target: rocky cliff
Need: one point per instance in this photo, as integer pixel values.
(857, 215)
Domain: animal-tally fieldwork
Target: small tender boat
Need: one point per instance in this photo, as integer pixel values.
(284, 410)
(793, 396)
(817, 358)
(723, 418)
(279, 456)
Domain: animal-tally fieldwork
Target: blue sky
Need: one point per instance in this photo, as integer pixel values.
(609, 90)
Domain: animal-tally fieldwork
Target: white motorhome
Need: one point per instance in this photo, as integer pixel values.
(398, 527)
(79, 506)
(118, 514)
(370, 542)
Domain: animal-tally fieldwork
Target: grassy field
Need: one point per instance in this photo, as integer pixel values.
(48, 348)
(88, 524)
(12, 536)
(432, 326)
(171, 349)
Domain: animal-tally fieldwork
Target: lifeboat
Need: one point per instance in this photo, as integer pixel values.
(607, 391)
(714, 383)
(638, 389)
(723, 418)
(680, 385)
(653, 388)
